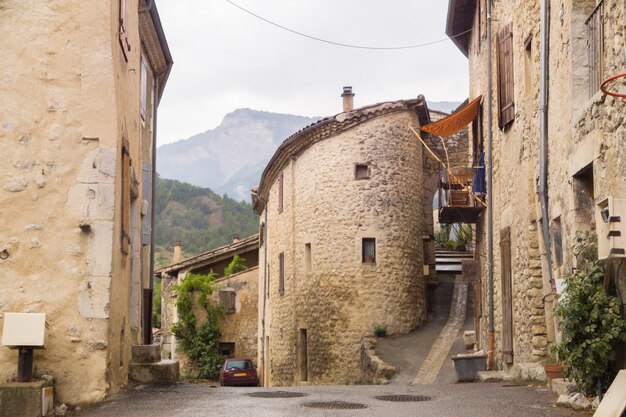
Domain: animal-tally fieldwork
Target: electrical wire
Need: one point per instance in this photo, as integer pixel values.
(346, 45)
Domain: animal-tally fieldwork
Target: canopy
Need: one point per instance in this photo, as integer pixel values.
(456, 121)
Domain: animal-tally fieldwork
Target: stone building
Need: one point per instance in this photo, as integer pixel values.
(80, 84)
(555, 113)
(236, 293)
(346, 242)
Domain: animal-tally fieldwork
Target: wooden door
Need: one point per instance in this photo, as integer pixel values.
(507, 296)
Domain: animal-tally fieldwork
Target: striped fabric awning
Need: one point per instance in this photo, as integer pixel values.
(456, 121)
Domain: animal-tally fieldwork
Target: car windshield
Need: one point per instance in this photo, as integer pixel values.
(239, 365)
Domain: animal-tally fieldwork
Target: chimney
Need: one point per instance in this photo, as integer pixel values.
(235, 238)
(348, 99)
(178, 250)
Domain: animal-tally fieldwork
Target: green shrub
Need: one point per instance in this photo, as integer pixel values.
(591, 323)
(380, 330)
(238, 264)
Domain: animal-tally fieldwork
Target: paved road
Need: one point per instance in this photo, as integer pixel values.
(467, 400)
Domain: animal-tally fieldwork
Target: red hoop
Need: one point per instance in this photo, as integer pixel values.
(612, 93)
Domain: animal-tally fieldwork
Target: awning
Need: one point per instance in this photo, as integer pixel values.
(456, 121)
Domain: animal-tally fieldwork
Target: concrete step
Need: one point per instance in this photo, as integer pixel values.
(146, 353)
(450, 260)
(164, 372)
(454, 268)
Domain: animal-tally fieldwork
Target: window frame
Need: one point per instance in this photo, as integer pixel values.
(364, 258)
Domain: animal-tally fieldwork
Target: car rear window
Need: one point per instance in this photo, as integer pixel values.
(238, 365)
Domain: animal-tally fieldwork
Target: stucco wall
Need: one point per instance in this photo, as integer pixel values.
(67, 98)
(341, 299)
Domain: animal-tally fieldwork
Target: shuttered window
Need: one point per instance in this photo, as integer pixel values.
(505, 76)
(123, 29)
(280, 193)
(281, 273)
(227, 300)
(507, 300)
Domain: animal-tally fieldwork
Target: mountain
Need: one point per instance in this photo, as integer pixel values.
(197, 217)
(230, 158)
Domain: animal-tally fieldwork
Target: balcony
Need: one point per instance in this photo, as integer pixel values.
(461, 195)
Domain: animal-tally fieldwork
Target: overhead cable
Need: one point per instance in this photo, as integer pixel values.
(345, 44)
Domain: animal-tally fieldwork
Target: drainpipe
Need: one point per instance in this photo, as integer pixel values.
(264, 297)
(543, 136)
(490, 348)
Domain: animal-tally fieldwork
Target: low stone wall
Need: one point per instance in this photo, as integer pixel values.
(375, 370)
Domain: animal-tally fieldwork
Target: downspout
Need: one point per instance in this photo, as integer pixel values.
(490, 349)
(264, 230)
(543, 136)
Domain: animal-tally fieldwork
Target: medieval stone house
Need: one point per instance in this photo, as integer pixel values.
(80, 83)
(558, 153)
(237, 294)
(346, 244)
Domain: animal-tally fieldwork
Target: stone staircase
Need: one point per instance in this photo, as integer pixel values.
(449, 262)
(148, 368)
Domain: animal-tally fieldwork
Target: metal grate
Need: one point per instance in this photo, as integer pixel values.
(334, 405)
(403, 398)
(276, 394)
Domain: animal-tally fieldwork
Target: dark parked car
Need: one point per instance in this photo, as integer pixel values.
(238, 371)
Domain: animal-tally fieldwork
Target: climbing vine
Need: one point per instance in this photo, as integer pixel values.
(198, 338)
(238, 264)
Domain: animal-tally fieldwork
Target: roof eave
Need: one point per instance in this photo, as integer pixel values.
(452, 29)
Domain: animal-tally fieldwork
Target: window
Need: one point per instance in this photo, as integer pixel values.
(226, 349)
(369, 250)
(362, 172)
(584, 204)
(281, 273)
(126, 183)
(557, 241)
(123, 29)
(280, 193)
(528, 66)
(144, 87)
(227, 300)
(505, 76)
(595, 47)
(262, 234)
(307, 257)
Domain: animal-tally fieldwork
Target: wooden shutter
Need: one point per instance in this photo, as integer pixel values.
(123, 29)
(505, 76)
(227, 300)
(280, 193)
(507, 296)
(125, 197)
(281, 273)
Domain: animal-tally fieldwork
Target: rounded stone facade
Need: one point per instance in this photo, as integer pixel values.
(357, 187)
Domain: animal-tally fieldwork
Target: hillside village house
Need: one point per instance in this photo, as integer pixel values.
(558, 153)
(237, 294)
(80, 84)
(346, 239)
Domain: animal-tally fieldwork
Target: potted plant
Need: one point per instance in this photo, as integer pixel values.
(552, 367)
(380, 330)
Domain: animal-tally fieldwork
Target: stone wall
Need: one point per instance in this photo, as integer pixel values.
(68, 98)
(338, 299)
(581, 131)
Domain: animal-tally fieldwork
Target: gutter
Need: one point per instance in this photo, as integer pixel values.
(264, 231)
(489, 172)
(543, 136)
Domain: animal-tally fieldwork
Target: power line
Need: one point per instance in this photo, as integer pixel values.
(345, 44)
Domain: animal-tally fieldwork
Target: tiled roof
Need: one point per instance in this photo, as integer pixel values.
(217, 254)
(325, 128)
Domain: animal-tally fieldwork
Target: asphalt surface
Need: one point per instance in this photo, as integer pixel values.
(444, 397)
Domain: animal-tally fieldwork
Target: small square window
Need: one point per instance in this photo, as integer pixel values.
(369, 250)
(362, 172)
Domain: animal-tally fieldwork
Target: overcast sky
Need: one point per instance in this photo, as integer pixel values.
(225, 58)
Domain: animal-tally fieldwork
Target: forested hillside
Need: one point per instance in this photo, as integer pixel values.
(200, 219)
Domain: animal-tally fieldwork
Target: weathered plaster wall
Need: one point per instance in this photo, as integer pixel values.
(67, 98)
(240, 327)
(341, 299)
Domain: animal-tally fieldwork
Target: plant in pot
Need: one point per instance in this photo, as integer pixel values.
(380, 330)
(590, 322)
